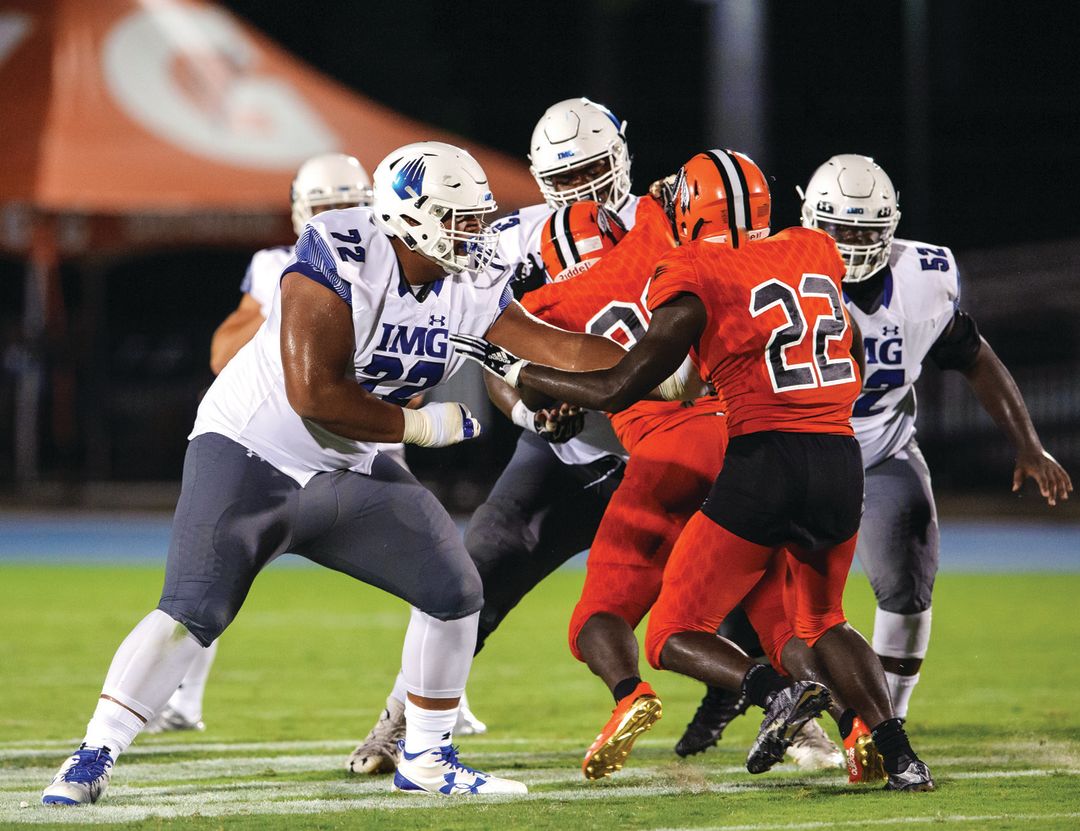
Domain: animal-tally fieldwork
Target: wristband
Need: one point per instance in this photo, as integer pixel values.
(523, 417)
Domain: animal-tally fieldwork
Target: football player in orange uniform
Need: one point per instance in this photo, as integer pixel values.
(764, 316)
(676, 451)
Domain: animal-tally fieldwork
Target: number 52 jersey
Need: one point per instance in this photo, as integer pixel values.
(401, 346)
(918, 297)
(777, 340)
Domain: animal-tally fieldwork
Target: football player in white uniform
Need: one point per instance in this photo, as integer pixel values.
(282, 457)
(905, 297)
(325, 182)
(547, 503)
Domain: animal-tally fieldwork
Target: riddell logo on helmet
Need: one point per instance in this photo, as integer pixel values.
(565, 154)
(573, 271)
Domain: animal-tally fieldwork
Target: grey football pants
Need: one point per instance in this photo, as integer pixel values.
(539, 514)
(237, 513)
(898, 539)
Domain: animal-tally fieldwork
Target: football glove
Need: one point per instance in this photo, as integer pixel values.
(494, 359)
(439, 425)
(555, 424)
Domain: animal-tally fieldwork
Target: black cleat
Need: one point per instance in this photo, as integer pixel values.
(915, 777)
(788, 711)
(718, 709)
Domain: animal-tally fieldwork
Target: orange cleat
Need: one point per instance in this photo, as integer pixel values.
(864, 763)
(631, 717)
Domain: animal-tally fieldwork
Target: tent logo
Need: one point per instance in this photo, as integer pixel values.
(409, 182)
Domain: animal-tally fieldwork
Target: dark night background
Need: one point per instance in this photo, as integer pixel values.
(972, 108)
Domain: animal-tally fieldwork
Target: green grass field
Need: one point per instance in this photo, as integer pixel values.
(303, 671)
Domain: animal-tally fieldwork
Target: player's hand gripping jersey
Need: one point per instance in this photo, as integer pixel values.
(401, 346)
(609, 299)
(919, 298)
(777, 339)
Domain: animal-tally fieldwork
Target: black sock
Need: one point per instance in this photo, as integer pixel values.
(892, 743)
(761, 683)
(625, 687)
(846, 723)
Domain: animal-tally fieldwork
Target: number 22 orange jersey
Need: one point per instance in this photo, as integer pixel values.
(609, 300)
(777, 340)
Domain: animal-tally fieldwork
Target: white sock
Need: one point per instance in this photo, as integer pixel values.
(188, 698)
(399, 692)
(900, 689)
(145, 671)
(437, 654)
(425, 729)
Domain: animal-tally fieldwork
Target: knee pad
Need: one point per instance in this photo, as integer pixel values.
(901, 636)
(656, 639)
(205, 622)
(811, 627)
(445, 599)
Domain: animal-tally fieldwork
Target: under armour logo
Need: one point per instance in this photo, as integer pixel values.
(465, 787)
(890, 330)
(436, 320)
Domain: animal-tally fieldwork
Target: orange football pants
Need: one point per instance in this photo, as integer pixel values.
(712, 570)
(666, 480)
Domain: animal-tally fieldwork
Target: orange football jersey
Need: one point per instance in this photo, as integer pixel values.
(777, 340)
(609, 299)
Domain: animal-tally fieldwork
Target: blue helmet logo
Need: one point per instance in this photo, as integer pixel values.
(409, 182)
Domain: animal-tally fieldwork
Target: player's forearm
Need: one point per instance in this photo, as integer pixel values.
(999, 395)
(348, 410)
(610, 390)
(229, 338)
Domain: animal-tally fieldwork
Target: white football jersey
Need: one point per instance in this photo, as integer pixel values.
(263, 275)
(401, 345)
(921, 292)
(520, 235)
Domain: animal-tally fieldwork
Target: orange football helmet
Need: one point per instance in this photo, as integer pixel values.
(721, 193)
(576, 236)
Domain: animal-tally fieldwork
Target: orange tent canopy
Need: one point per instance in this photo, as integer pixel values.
(119, 107)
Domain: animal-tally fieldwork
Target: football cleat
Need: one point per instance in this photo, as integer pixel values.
(467, 723)
(169, 720)
(378, 753)
(82, 779)
(631, 717)
(438, 771)
(864, 763)
(717, 710)
(915, 777)
(786, 714)
(812, 749)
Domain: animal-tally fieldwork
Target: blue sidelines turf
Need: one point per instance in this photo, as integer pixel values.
(966, 545)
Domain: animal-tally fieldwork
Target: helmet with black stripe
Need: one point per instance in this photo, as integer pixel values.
(853, 200)
(576, 236)
(722, 195)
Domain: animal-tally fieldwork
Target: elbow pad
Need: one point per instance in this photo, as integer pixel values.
(675, 387)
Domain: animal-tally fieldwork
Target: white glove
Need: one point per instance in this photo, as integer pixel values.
(439, 425)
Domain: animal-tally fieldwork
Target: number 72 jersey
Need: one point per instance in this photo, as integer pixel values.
(918, 298)
(777, 339)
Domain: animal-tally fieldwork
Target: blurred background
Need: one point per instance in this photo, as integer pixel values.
(148, 149)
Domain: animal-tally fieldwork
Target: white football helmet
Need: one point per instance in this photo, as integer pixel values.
(853, 200)
(328, 179)
(575, 134)
(431, 195)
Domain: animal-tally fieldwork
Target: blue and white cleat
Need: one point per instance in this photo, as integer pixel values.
(438, 771)
(82, 779)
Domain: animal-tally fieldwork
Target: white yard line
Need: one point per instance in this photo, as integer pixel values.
(179, 799)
